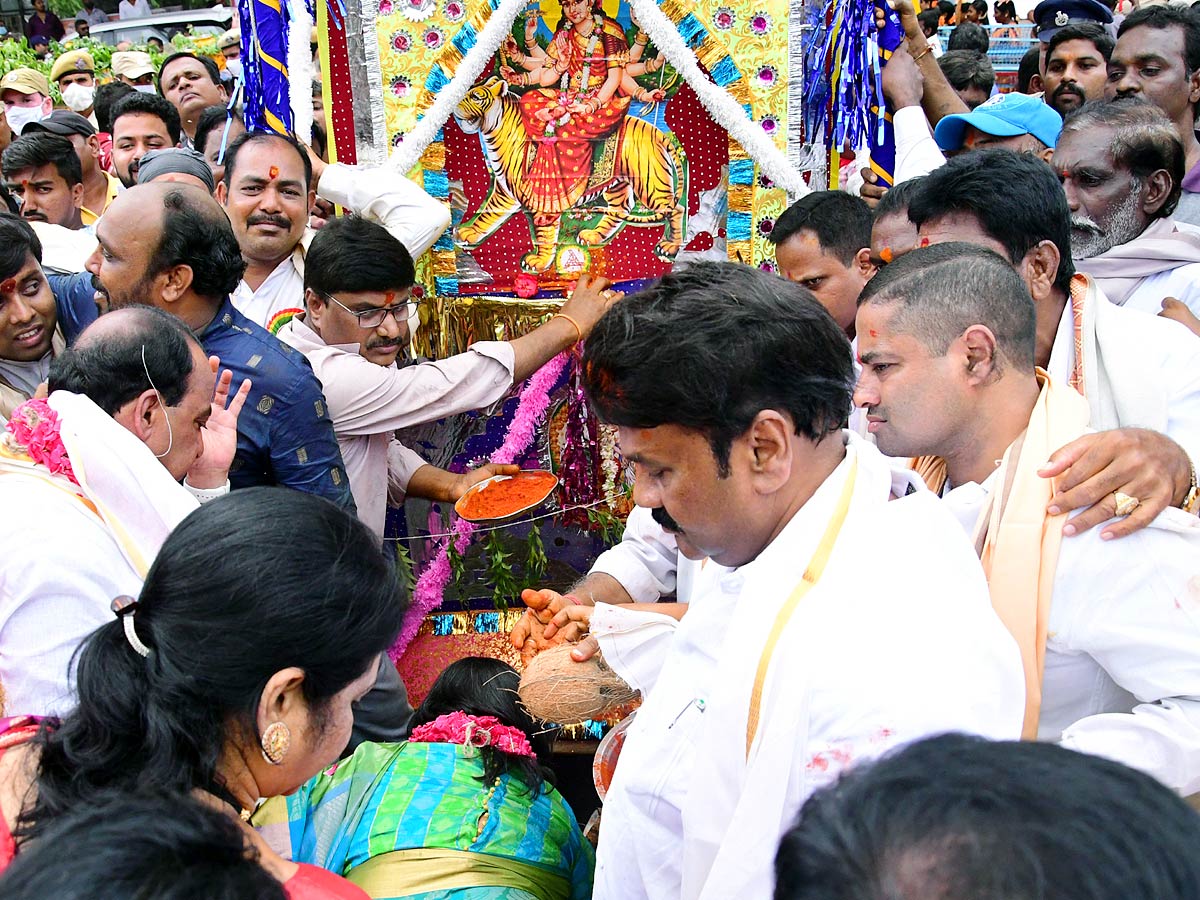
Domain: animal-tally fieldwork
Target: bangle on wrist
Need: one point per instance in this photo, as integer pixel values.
(928, 49)
(1189, 500)
(574, 324)
(642, 38)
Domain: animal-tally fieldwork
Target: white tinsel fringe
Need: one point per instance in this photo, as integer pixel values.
(498, 27)
(300, 70)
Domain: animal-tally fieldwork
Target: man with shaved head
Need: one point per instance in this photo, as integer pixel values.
(91, 477)
(171, 246)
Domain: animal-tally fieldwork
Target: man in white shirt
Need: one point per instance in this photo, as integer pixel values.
(1121, 166)
(266, 193)
(358, 282)
(841, 611)
(136, 414)
(133, 9)
(1139, 373)
(1107, 630)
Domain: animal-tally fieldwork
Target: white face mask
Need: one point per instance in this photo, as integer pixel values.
(146, 88)
(79, 97)
(20, 116)
(234, 67)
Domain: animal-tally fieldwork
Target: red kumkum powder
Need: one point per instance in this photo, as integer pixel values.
(503, 498)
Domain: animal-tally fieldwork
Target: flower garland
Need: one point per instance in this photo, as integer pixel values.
(34, 430)
(430, 590)
(474, 731)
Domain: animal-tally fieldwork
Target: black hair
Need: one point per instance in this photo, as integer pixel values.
(1016, 197)
(840, 221)
(956, 817)
(154, 351)
(149, 104)
(1083, 31)
(352, 254)
(258, 137)
(967, 69)
(79, 22)
(1143, 140)
(1009, 7)
(899, 197)
(105, 99)
(981, 7)
(481, 686)
(212, 119)
(196, 232)
(149, 844)
(220, 618)
(38, 149)
(736, 341)
(969, 36)
(1162, 18)
(17, 241)
(943, 290)
(210, 66)
(947, 9)
(1030, 66)
(930, 20)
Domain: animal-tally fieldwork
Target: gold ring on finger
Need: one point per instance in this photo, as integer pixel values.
(1125, 503)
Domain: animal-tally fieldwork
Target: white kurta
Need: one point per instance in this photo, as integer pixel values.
(368, 402)
(1182, 283)
(646, 561)
(1122, 675)
(407, 212)
(896, 642)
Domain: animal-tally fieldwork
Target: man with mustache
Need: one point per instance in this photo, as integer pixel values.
(1077, 66)
(358, 282)
(272, 181)
(1121, 165)
(45, 176)
(1158, 57)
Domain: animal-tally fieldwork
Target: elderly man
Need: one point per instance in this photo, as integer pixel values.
(1077, 66)
(90, 481)
(177, 165)
(42, 172)
(1139, 373)
(141, 123)
(99, 188)
(947, 339)
(358, 282)
(268, 191)
(191, 83)
(1121, 165)
(75, 74)
(743, 448)
(26, 96)
(1158, 56)
(170, 246)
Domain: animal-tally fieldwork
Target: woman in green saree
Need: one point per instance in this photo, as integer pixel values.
(460, 811)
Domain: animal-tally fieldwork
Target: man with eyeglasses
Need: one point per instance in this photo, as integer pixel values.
(358, 282)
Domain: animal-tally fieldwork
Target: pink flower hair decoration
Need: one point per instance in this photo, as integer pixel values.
(474, 731)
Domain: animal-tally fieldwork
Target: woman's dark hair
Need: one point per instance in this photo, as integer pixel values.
(957, 817)
(480, 686)
(736, 341)
(151, 845)
(245, 586)
(354, 255)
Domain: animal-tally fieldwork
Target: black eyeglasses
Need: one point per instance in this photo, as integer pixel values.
(373, 318)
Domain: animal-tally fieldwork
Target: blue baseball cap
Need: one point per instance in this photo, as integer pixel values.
(1005, 115)
(1051, 15)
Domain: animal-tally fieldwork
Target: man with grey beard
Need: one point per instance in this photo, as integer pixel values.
(1121, 165)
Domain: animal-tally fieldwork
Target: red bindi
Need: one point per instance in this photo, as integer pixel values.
(924, 242)
(873, 332)
(886, 254)
(273, 172)
(389, 297)
(8, 286)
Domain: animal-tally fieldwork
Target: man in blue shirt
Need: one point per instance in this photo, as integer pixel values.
(171, 246)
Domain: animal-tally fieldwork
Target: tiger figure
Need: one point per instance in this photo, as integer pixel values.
(649, 169)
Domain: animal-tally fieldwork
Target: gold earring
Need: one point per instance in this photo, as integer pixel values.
(275, 742)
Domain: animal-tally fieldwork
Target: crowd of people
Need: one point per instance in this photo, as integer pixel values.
(908, 591)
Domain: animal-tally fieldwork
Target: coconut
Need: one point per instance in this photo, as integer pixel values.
(556, 688)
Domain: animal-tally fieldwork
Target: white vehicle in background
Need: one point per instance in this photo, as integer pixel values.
(196, 23)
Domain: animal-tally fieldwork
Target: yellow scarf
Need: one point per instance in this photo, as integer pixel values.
(1018, 542)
